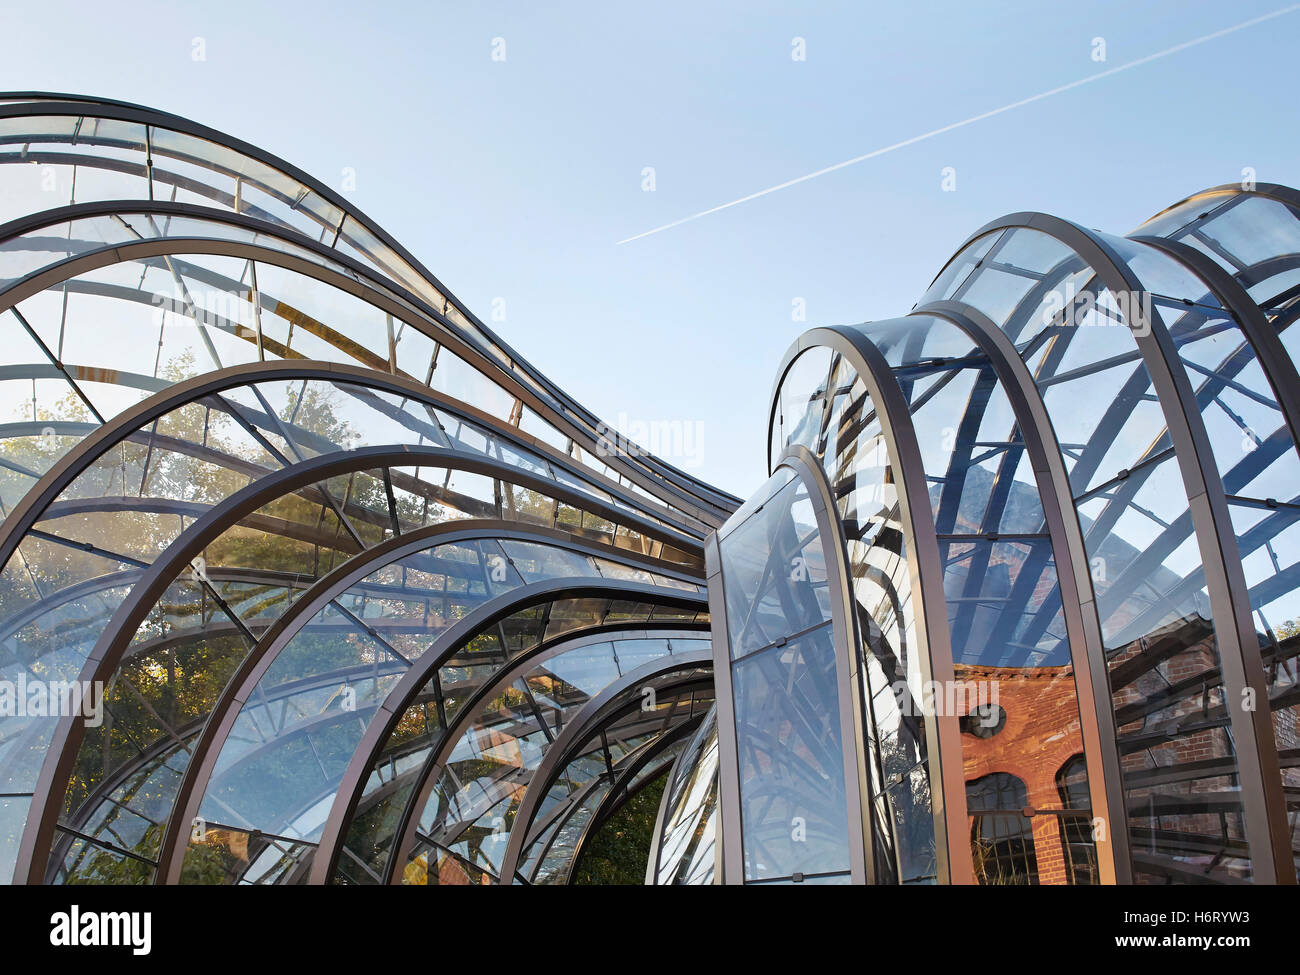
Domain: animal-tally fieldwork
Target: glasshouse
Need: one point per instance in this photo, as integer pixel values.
(309, 578)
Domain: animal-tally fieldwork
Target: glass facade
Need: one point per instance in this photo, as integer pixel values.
(787, 647)
(285, 507)
(1082, 449)
(307, 577)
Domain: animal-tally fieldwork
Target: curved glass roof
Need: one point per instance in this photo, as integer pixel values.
(1067, 477)
(487, 765)
(139, 175)
(225, 391)
(354, 594)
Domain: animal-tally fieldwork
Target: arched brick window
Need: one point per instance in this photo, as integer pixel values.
(1002, 836)
(1076, 830)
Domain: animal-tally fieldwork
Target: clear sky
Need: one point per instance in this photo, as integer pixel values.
(516, 179)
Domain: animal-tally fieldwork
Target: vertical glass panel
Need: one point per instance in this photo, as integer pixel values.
(792, 794)
(855, 456)
(775, 571)
(689, 836)
(1250, 440)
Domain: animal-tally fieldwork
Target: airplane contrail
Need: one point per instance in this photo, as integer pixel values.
(974, 118)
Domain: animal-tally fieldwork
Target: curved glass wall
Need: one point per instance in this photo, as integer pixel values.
(364, 640)
(403, 763)
(135, 496)
(632, 723)
(686, 848)
(1014, 696)
(1085, 343)
(1256, 240)
(1010, 653)
(483, 773)
(202, 312)
(554, 856)
(196, 329)
(823, 404)
(372, 601)
(1178, 754)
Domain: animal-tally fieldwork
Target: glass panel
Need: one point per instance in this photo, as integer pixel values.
(856, 459)
(501, 740)
(775, 571)
(317, 695)
(1250, 440)
(792, 795)
(689, 836)
(801, 400)
(1174, 737)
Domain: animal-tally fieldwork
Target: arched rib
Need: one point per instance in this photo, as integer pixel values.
(613, 800)
(105, 656)
(1276, 363)
(360, 284)
(343, 578)
(407, 265)
(1263, 805)
(580, 729)
(925, 572)
(245, 680)
(1087, 651)
(426, 779)
(34, 503)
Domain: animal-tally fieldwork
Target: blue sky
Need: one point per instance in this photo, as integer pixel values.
(515, 179)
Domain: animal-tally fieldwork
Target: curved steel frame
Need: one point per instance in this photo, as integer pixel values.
(1240, 661)
(925, 572)
(440, 756)
(107, 652)
(349, 793)
(844, 632)
(26, 514)
(244, 681)
(63, 473)
(44, 104)
(1088, 655)
(619, 794)
(581, 728)
(672, 508)
(383, 295)
(1262, 799)
(1272, 356)
(427, 777)
(668, 505)
(656, 838)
